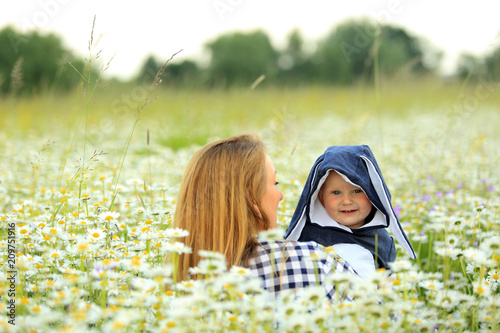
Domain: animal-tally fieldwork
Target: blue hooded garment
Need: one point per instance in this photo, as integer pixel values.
(356, 165)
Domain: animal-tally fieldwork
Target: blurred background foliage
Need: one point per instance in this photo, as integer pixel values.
(32, 63)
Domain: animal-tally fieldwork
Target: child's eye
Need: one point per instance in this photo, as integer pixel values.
(276, 183)
(336, 192)
(357, 191)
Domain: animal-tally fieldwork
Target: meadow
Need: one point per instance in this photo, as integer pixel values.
(88, 184)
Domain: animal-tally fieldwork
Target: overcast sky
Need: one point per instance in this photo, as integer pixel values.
(135, 29)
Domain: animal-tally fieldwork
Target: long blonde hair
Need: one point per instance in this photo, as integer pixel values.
(220, 191)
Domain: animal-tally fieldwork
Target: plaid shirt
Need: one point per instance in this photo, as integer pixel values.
(297, 271)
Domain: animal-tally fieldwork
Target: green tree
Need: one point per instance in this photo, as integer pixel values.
(148, 71)
(240, 58)
(347, 54)
(492, 65)
(469, 65)
(33, 62)
(295, 65)
(185, 73)
(294, 53)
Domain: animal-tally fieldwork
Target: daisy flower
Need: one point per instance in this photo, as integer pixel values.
(494, 278)
(84, 222)
(401, 266)
(108, 216)
(209, 266)
(270, 235)
(96, 234)
(448, 299)
(453, 253)
(176, 233)
(24, 231)
(56, 255)
(211, 255)
(135, 181)
(242, 271)
(452, 240)
(178, 248)
(491, 245)
(482, 288)
(478, 257)
(431, 285)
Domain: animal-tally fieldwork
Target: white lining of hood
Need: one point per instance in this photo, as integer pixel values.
(319, 216)
(394, 225)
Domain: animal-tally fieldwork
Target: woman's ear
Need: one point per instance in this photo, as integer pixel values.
(256, 209)
(251, 202)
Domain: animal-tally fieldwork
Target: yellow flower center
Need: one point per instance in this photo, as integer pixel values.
(384, 325)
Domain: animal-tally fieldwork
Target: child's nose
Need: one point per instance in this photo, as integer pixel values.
(346, 199)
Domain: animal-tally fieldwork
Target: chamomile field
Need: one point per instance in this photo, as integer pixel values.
(88, 185)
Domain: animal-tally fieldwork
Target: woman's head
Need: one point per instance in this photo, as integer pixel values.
(221, 200)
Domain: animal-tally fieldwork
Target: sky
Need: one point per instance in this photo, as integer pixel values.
(130, 31)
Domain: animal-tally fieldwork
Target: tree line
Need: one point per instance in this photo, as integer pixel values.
(351, 52)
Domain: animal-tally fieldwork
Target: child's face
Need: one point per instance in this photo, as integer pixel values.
(345, 203)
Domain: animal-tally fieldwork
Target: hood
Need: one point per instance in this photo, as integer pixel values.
(356, 165)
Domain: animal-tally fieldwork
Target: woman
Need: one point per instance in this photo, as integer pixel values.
(227, 196)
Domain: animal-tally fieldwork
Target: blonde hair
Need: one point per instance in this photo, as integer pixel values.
(219, 201)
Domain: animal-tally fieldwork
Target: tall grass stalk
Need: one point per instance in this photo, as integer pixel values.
(376, 81)
(157, 80)
(89, 89)
(150, 170)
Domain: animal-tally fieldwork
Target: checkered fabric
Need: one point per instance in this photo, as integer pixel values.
(285, 265)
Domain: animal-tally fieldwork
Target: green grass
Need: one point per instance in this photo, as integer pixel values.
(211, 111)
(438, 152)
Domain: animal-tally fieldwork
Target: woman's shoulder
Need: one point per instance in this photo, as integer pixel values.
(290, 245)
(290, 251)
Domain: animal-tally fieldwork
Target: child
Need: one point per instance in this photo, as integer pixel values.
(346, 203)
